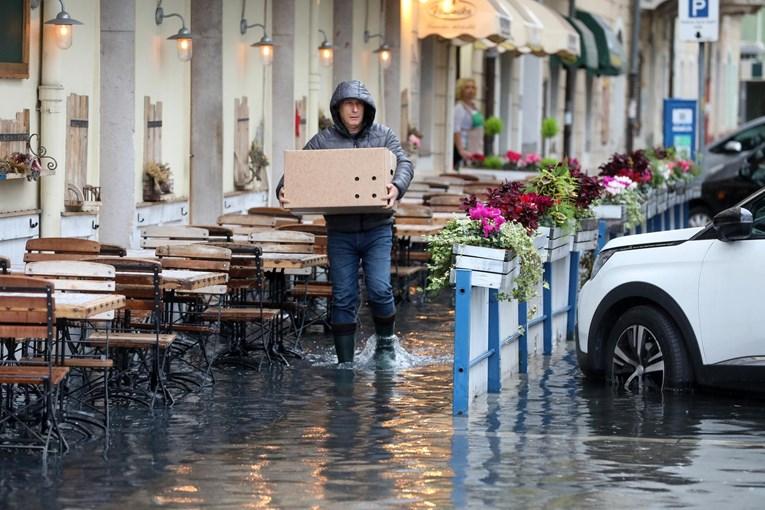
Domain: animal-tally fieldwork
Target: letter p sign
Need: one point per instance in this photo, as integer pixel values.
(698, 8)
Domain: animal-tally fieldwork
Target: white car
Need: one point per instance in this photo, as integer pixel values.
(679, 308)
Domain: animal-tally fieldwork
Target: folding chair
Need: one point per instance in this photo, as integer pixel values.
(60, 248)
(29, 415)
(82, 391)
(138, 342)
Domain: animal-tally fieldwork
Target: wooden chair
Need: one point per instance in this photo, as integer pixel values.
(283, 241)
(457, 175)
(30, 388)
(185, 309)
(83, 392)
(165, 235)
(60, 248)
(138, 340)
(112, 250)
(319, 232)
(217, 232)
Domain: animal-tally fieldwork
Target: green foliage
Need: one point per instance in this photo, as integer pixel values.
(548, 162)
(549, 127)
(512, 236)
(493, 126)
(493, 162)
(632, 200)
(557, 183)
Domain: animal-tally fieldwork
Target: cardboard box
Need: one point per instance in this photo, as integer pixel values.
(337, 181)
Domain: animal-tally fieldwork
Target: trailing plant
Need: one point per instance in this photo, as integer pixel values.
(490, 231)
(589, 189)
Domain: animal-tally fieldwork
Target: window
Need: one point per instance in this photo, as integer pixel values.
(749, 139)
(757, 208)
(14, 39)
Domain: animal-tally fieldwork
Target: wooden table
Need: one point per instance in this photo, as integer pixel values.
(273, 261)
(80, 305)
(181, 279)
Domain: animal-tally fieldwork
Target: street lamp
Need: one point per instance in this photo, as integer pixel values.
(63, 25)
(326, 52)
(265, 45)
(182, 38)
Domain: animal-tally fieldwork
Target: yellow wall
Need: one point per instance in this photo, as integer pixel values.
(163, 77)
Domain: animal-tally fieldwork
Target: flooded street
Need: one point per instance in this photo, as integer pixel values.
(315, 436)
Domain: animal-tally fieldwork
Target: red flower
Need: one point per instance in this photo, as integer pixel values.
(513, 157)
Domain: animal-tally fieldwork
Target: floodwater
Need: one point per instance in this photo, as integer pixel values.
(315, 436)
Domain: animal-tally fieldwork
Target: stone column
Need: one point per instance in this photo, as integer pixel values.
(531, 127)
(52, 128)
(342, 21)
(505, 101)
(314, 76)
(117, 120)
(392, 75)
(206, 180)
(283, 87)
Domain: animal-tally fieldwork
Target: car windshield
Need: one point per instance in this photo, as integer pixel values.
(748, 138)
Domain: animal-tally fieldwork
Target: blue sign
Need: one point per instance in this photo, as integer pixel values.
(698, 8)
(680, 126)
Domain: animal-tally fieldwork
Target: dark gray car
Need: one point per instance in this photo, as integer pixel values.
(732, 146)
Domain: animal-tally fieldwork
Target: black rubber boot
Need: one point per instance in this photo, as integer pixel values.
(384, 327)
(345, 341)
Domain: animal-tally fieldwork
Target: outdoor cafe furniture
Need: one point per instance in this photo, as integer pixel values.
(29, 414)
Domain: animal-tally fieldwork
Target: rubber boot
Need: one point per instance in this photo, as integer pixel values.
(385, 337)
(345, 341)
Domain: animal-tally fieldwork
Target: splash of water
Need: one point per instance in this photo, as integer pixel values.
(365, 360)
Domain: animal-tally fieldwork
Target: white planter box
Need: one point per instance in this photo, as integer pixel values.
(560, 245)
(542, 242)
(609, 211)
(492, 268)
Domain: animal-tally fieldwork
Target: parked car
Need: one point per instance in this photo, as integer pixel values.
(679, 308)
(738, 143)
(734, 181)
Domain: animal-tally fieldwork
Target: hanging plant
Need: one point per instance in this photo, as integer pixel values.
(258, 162)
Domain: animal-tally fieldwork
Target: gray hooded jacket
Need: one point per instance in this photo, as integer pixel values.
(371, 135)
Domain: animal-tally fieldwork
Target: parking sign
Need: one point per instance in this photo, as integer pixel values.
(698, 20)
(680, 126)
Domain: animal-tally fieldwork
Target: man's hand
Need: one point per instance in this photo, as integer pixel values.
(391, 197)
(282, 201)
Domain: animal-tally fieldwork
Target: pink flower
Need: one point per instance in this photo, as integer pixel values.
(684, 165)
(513, 157)
(490, 217)
(532, 159)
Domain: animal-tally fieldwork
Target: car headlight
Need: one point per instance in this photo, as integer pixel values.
(600, 261)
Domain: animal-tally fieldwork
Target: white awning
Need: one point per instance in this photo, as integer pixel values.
(547, 31)
(464, 20)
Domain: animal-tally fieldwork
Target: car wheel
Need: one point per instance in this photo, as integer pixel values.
(646, 352)
(699, 217)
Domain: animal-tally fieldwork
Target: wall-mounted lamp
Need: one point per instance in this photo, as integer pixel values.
(63, 24)
(326, 52)
(182, 38)
(265, 45)
(383, 51)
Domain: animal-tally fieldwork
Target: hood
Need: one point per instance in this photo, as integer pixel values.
(352, 89)
(637, 240)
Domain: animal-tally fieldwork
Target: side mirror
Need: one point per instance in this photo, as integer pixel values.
(733, 224)
(733, 146)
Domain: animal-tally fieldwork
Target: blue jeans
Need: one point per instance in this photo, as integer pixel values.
(345, 250)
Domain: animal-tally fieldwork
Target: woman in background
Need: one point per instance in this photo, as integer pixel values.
(468, 123)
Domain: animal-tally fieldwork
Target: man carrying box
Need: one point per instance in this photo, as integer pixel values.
(360, 237)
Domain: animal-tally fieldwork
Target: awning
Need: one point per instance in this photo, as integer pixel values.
(589, 55)
(531, 24)
(611, 55)
(465, 20)
(558, 36)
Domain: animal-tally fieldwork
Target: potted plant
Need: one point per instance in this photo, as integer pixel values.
(157, 181)
(485, 227)
(549, 130)
(257, 164)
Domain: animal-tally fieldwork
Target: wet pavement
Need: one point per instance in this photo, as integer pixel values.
(315, 436)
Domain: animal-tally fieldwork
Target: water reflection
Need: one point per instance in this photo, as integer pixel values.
(314, 435)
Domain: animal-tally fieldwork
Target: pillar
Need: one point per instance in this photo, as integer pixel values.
(52, 128)
(342, 22)
(392, 75)
(283, 87)
(206, 180)
(117, 120)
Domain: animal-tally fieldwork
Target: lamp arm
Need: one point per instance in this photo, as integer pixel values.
(159, 15)
(324, 34)
(243, 26)
(368, 36)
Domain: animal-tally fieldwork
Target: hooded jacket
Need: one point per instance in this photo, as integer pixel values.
(370, 135)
